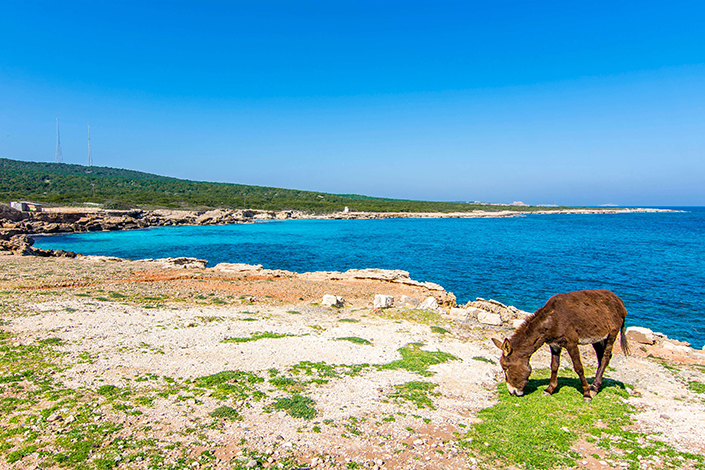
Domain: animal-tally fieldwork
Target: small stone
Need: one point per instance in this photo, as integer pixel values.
(429, 304)
(252, 464)
(487, 318)
(383, 301)
(332, 301)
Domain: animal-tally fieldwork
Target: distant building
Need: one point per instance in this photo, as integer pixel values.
(26, 206)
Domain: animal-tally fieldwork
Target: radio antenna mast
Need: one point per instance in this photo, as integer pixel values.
(59, 156)
(90, 155)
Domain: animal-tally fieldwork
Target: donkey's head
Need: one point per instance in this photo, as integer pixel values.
(516, 369)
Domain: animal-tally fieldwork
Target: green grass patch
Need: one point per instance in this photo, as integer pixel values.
(483, 359)
(354, 339)
(226, 412)
(418, 393)
(439, 330)
(538, 432)
(697, 387)
(233, 385)
(426, 317)
(348, 320)
(256, 336)
(297, 406)
(415, 359)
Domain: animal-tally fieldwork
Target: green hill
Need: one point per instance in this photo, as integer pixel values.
(61, 183)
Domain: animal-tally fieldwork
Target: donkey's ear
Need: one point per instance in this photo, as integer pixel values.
(497, 343)
(507, 347)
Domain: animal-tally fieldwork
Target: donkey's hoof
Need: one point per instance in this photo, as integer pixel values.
(593, 393)
(546, 393)
(587, 399)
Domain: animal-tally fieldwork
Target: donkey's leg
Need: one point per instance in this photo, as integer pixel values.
(604, 361)
(555, 363)
(578, 366)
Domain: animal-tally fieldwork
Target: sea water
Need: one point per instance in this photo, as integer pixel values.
(654, 261)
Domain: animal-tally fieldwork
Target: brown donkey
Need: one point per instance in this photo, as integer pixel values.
(567, 320)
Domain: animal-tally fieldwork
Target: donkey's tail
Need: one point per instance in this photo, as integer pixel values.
(623, 339)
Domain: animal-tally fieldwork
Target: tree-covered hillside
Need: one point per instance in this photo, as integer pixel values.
(63, 183)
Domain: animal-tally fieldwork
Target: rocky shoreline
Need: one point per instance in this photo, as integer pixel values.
(17, 227)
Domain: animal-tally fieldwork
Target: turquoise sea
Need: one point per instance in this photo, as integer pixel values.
(654, 261)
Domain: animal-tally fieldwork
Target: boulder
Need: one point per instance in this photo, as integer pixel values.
(487, 318)
(408, 301)
(429, 304)
(676, 347)
(517, 323)
(458, 314)
(383, 301)
(332, 301)
(183, 262)
(473, 312)
(641, 335)
(506, 312)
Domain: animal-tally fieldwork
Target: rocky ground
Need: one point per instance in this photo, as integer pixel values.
(139, 352)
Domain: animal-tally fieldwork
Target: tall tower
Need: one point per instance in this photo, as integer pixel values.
(59, 156)
(90, 155)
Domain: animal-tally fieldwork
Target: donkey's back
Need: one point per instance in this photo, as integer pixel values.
(585, 317)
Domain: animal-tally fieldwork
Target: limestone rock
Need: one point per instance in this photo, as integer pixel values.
(408, 301)
(332, 301)
(473, 312)
(487, 318)
(237, 267)
(641, 335)
(429, 304)
(183, 262)
(506, 312)
(383, 301)
(458, 314)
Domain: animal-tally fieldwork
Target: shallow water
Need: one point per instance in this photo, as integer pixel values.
(654, 261)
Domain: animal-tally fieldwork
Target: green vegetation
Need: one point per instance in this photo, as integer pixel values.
(439, 330)
(425, 317)
(697, 387)
(415, 359)
(297, 406)
(256, 336)
(483, 359)
(64, 183)
(539, 432)
(418, 393)
(226, 412)
(354, 339)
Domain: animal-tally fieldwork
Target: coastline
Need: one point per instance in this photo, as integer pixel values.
(16, 227)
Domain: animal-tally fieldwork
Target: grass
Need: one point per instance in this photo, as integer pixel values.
(425, 317)
(354, 339)
(418, 393)
(256, 336)
(483, 359)
(439, 330)
(538, 432)
(297, 406)
(415, 359)
(348, 320)
(226, 412)
(697, 387)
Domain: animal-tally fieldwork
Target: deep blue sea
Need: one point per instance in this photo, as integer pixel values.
(654, 261)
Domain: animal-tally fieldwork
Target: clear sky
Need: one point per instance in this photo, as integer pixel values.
(560, 102)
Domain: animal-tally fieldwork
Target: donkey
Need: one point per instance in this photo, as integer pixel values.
(583, 317)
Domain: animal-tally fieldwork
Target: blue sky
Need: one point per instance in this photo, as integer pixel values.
(544, 102)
